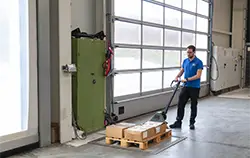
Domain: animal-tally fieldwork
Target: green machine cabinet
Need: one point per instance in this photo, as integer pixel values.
(88, 83)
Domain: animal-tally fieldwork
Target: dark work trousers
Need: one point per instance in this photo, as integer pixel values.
(186, 94)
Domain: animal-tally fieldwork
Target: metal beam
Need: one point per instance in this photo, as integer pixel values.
(175, 8)
(165, 91)
(135, 46)
(144, 23)
(222, 32)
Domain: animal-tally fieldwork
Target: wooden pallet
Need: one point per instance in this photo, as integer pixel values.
(141, 144)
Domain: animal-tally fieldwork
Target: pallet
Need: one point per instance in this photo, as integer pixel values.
(143, 145)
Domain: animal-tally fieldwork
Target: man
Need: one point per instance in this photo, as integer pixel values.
(192, 68)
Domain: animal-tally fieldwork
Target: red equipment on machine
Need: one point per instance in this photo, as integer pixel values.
(107, 64)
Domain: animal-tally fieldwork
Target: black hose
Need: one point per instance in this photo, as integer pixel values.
(217, 70)
(217, 67)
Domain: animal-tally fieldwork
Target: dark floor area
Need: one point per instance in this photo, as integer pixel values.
(222, 131)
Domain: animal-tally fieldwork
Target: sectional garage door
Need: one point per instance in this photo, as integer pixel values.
(150, 38)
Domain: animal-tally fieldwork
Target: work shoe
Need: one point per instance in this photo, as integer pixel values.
(177, 124)
(192, 127)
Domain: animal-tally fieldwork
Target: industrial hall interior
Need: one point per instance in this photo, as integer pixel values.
(125, 79)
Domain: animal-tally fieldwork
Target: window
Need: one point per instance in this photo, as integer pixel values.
(152, 42)
(171, 58)
(157, 17)
(152, 36)
(188, 39)
(122, 7)
(204, 74)
(202, 24)
(172, 38)
(172, 17)
(126, 58)
(151, 81)
(201, 41)
(152, 58)
(202, 55)
(127, 33)
(202, 7)
(125, 84)
(159, 1)
(14, 78)
(188, 21)
(176, 3)
(189, 5)
(169, 76)
(183, 56)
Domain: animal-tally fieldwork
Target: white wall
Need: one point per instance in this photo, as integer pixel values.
(87, 15)
(60, 41)
(64, 21)
(83, 15)
(239, 33)
(221, 22)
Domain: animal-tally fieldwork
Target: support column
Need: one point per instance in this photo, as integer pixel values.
(65, 92)
(43, 22)
(239, 32)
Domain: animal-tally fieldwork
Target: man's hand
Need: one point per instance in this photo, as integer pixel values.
(184, 80)
(176, 79)
(179, 74)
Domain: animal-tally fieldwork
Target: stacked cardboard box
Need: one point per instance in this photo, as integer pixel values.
(117, 130)
(159, 126)
(144, 131)
(131, 131)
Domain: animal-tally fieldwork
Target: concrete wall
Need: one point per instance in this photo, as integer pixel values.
(83, 15)
(239, 24)
(222, 22)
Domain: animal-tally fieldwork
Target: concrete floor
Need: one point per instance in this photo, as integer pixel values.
(237, 94)
(222, 131)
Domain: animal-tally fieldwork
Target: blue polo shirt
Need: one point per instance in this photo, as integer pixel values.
(190, 70)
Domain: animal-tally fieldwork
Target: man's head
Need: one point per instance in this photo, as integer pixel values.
(191, 51)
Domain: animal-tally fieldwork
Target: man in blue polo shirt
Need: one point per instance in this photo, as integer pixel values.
(192, 68)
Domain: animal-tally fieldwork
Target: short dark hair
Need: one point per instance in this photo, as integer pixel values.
(192, 47)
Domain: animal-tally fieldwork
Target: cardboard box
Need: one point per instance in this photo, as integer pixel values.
(139, 132)
(54, 133)
(117, 130)
(159, 126)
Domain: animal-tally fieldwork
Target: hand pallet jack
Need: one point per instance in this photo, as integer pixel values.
(161, 116)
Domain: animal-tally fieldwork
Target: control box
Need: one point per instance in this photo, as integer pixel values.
(226, 68)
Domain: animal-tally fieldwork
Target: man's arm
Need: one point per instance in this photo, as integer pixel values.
(195, 77)
(180, 73)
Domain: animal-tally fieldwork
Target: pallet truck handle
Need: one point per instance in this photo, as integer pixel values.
(172, 97)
